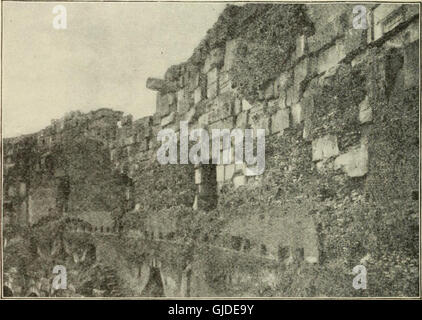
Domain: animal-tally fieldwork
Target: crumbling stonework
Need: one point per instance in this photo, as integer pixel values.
(324, 106)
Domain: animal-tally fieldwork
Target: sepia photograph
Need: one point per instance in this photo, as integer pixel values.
(202, 150)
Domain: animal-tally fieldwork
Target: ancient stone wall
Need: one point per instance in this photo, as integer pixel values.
(321, 116)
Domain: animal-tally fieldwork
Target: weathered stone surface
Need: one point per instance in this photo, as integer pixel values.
(354, 163)
(168, 119)
(198, 176)
(301, 71)
(229, 171)
(184, 101)
(242, 120)
(222, 124)
(269, 91)
(327, 34)
(280, 121)
(297, 113)
(189, 115)
(307, 104)
(203, 120)
(212, 76)
(246, 105)
(240, 167)
(411, 65)
(331, 57)
(412, 33)
(220, 173)
(259, 120)
(215, 58)
(165, 102)
(300, 46)
(212, 90)
(239, 181)
(237, 106)
(160, 85)
(354, 39)
(386, 17)
(224, 81)
(198, 95)
(230, 53)
(324, 148)
(365, 111)
(221, 108)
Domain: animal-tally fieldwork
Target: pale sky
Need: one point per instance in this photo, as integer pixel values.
(102, 59)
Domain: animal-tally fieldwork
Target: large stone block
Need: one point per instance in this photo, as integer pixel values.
(297, 116)
(354, 163)
(214, 59)
(222, 124)
(246, 105)
(239, 181)
(221, 108)
(189, 115)
(198, 95)
(280, 121)
(184, 101)
(168, 119)
(220, 173)
(331, 57)
(387, 17)
(411, 65)
(301, 71)
(259, 120)
(324, 148)
(307, 104)
(229, 171)
(242, 120)
(212, 90)
(230, 54)
(237, 106)
(203, 120)
(212, 76)
(300, 46)
(354, 39)
(365, 111)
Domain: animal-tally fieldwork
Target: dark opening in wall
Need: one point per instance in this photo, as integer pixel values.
(415, 195)
(208, 189)
(283, 253)
(63, 192)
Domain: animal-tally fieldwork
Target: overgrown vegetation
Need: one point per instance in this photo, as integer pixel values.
(267, 36)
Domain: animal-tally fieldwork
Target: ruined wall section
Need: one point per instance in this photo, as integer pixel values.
(323, 108)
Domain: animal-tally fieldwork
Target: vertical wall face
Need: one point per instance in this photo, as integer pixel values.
(341, 127)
